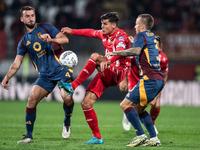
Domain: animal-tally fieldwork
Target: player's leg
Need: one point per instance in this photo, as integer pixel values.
(91, 117)
(155, 109)
(147, 93)
(93, 62)
(66, 75)
(68, 106)
(133, 117)
(37, 94)
(95, 89)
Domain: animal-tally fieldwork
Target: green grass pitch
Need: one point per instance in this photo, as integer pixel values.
(179, 127)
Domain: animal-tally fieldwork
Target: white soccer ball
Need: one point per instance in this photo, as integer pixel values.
(68, 59)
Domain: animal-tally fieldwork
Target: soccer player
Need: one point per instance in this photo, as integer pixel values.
(150, 84)
(42, 43)
(133, 78)
(113, 39)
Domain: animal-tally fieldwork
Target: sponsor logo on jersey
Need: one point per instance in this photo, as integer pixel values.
(121, 38)
(37, 46)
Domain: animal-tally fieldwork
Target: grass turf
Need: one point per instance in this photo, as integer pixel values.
(178, 127)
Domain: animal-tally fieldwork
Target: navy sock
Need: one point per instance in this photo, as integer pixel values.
(147, 121)
(30, 119)
(133, 118)
(68, 112)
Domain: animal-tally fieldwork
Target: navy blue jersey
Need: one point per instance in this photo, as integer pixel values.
(45, 56)
(148, 59)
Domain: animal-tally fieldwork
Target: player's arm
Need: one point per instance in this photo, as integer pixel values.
(12, 71)
(59, 39)
(165, 77)
(83, 32)
(129, 52)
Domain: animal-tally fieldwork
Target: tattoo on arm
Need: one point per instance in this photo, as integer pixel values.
(14, 68)
(129, 52)
(7, 76)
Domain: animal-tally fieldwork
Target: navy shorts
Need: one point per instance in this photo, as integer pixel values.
(49, 82)
(145, 91)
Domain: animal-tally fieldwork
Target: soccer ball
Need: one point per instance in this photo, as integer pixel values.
(68, 59)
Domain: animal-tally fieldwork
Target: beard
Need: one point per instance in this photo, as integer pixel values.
(30, 26)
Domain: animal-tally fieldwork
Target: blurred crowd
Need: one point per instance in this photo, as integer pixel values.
(169, 15)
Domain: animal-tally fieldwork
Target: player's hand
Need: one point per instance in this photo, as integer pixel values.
(104, 65)
(66, 31)
(4, 83)
(110, 54)
(46, 37)
(131, 39)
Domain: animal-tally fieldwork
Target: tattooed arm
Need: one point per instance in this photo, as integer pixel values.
(12, 71)
(128, 52)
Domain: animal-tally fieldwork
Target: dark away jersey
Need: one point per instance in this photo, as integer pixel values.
(44, 56)
(148, 59)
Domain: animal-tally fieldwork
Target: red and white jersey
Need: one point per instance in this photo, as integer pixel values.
(116, 42)
(163, 62)
(133, 74)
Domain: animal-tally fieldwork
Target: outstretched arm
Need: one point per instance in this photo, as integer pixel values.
(59, 39)
(12, 71)
(129, 52)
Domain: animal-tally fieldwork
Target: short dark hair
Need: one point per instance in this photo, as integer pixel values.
(147, 20)
(26, 8)
(158, 38)
(111, 16)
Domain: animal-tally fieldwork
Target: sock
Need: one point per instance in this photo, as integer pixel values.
(85, 73)
(92, 121)
(147, 121)
(154, 114)
(30, 119)
(133, 118)
(68, 113)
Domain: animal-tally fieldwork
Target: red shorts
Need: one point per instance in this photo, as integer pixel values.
(111, 77)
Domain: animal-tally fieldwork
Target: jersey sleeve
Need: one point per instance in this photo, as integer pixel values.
(139, 40)
(20, 48)
(88, 32)
(52, 29)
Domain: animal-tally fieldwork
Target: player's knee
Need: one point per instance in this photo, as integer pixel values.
(95, 56)
(123, 106)
(86, 104)
(67, 98)
(32, 102)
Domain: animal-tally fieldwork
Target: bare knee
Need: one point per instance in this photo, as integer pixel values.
(86, 104)
(32, 102)
(126, 104)
(95, 56)
(68, 100)
(89, 100)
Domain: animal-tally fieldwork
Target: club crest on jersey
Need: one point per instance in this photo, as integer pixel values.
(39, 34)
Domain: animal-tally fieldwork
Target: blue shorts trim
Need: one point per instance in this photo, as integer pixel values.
(49, 82)
(145, 91)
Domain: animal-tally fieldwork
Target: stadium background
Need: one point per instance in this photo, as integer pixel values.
(176, 21)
